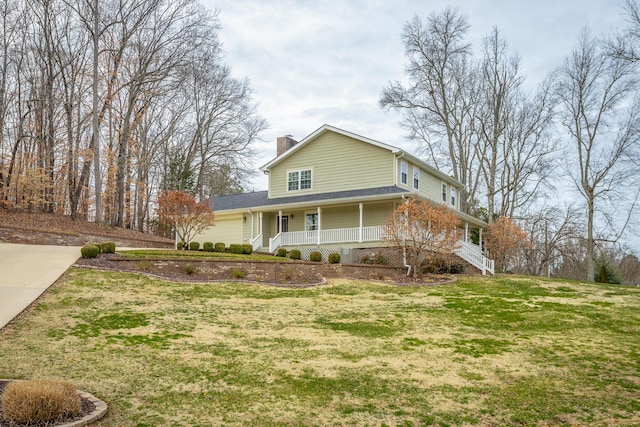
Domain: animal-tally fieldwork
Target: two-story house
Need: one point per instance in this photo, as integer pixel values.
(333, 192)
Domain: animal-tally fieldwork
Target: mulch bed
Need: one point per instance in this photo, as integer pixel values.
(87, 408)
(299, 274)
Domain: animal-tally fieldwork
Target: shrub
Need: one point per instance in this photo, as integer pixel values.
(180, 246)
(89, 251)
(40, 401)
(189, 269)
(282, 252)
(373, 259)
(219, 247)
(334, 258)
(247, 249)
(207, 247)
(237, 274)
(379, 259)
(434, 265)
(235, 248)
(194, 246)
(108, 248)
(457, 267)
(442, 265)
(315, 256)
(295, 254)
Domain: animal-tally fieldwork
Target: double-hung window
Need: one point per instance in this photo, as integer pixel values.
(299, 180)
(305, 179)
(416, 178)
(404, 171)
(453, 197)
(294, 181)
(444, 193)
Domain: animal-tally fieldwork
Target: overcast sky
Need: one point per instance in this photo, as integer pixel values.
(326, 61)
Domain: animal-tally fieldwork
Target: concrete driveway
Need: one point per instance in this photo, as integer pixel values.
(26, 271)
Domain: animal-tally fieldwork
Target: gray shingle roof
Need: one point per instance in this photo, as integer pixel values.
(259, 198)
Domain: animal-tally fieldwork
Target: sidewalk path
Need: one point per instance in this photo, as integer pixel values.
(26, 271)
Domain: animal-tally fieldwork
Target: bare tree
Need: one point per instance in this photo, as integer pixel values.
(420, 228)
(499, 84)
(600, 113)
(551, 234)
(439, 103)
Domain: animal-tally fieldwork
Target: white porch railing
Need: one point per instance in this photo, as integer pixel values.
(334, 235)
(256, 242)
(275, 242)
(473, 255)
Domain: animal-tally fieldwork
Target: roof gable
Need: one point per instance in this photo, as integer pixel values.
(323, 129)
(395, 150)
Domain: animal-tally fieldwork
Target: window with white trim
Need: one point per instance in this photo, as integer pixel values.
(299, 180)
(305, 179)
(453, 197)
(444, 193)
(416, 178)
(404, 171)
(311, 221)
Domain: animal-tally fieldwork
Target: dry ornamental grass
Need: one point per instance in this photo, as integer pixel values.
(40, 401)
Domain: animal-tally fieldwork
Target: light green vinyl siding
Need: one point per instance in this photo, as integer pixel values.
(227, 229)
(338, 163)
(430, 186)
(346, 216)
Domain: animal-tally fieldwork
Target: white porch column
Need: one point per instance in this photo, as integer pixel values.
(360, 230)
(480, 240)
(280, 221)
(319, 222)
(260, 222)
(466, 232)
(252, 226)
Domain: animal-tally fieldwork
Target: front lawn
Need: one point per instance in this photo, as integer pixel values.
(201, 255)
(482, 351)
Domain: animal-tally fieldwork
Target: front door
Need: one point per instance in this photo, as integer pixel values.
(285, 223)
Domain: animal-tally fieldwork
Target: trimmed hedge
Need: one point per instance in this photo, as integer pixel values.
(282, 252)
(194, 246)
(108, 248)
(90, 251)
(180, 246)
(247, 249)
(219, 247)
(315, 256)
(295, 254)
(334, 258)
(207, 247)
(235, 248)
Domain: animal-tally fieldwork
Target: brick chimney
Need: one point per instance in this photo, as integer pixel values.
(284, 143)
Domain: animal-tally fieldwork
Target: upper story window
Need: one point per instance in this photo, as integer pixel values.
(416, 178)
(299, 180)
(444, 193)
(305, 179)
(453, 197)
(404, 171)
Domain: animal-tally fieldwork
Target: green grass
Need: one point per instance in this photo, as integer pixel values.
(506, 351)
(146, 254)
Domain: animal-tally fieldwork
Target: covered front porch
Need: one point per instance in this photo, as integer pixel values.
(352, 226)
